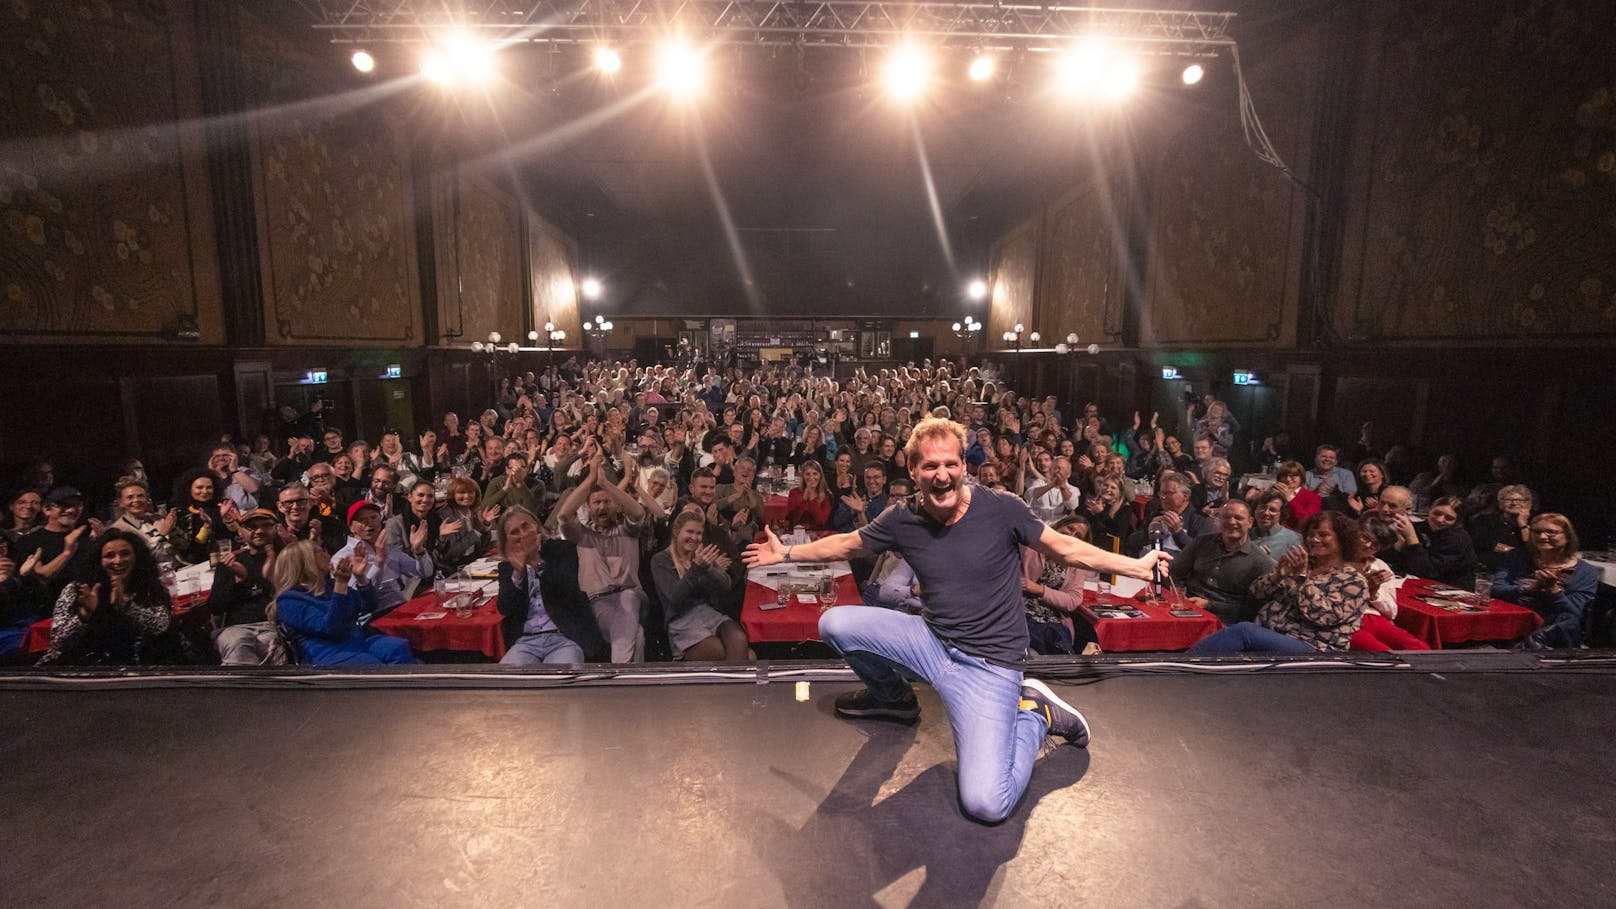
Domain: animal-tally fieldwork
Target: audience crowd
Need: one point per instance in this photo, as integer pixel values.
(617, 499)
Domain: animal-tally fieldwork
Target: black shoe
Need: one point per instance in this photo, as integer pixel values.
(1063, 718)
(863, 705)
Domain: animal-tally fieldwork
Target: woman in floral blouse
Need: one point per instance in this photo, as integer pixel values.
(1315, 596)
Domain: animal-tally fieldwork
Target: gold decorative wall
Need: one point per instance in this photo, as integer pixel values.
(479, 249)
(553, 260)
(104, 227)
(1013, 279)
(1080, 283)
(1483, 200)
(333, 199)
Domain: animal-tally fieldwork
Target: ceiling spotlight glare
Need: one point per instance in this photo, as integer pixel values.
(981, 69)
(1193, 73)
(1120, 81)
(607, 60)
(977, 289)
(680, 69)
(472, 60)
(363, 61)
(436, 69)
(1080, 70)
(591, 289)
(907, 73)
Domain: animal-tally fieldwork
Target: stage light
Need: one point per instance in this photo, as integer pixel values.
(981, 68)
(1193, 73)
(1080, 70)
(363, 61)
(907, 73)
(473, 60)
(977, 290)
(591, 289)
(680, 69)
(1120, 80)
(436, 69)
(607, 60)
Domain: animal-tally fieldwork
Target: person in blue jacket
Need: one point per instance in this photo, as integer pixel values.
(315, 603)
(1547, 577)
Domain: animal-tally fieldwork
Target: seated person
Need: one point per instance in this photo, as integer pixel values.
(810, 504)
(1453, 556)
(1171, 517)
(511, 488)
(1331, 482)
(1314, 598)
(1055, 496)
(546, 616)
(118, 615)
(740, 501)
(416, 526)
(241, 596)
(1215, 488)
(320, 611)
(1051, 591)
(384, 567)
(893, 585)
(1497, 533)
(1110, 509)
(1547, 577)
(1268, 529)
(135, 516)
(1301, 503)
(691, 576)
(1217, 570)
(200, 519)
(1406, 555)
(465, 530)
(18, 611)
(1378, 632)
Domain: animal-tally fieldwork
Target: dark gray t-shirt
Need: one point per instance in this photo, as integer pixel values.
(970, 572)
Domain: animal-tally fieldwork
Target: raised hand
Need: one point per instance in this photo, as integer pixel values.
(343, 571)
(7, 569)
(29, 564)
(768, 552)
(739, 519)
(1294, 561)
(228, 560)
(418, 538)
(448, 528)
(89, 600)
(165, 524)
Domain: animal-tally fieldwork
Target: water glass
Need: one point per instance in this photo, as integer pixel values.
(783, 594)
(827, 593)
(1484, 589)
(1102, 584)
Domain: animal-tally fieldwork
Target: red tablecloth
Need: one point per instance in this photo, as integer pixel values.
(1159, 630)
(774, 509)
(38, 640)
(482, 632)
(1503, 621)
(1140, 504)
(797, 622)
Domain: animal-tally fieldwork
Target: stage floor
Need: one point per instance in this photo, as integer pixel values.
(1368, 788)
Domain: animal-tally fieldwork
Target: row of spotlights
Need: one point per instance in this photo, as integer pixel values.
(1089, 70)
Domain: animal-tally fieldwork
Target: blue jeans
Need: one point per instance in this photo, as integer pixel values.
(1249, 637)
(547, 647)
(995, 739)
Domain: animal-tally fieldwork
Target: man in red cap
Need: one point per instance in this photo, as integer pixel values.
(386, 566)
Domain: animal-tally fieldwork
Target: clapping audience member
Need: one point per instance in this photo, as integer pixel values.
(387, 569)
(1406, 555)
(1301, 503)
(1442, 482)
(200, 520)
(608, 547)
(1268, 528)
(465, 530)
(1453, 556)
(1171, 520)
(545, 613)
(241, 484)
(319, 601)
(1547, 576)
(1372, 480)
(1110, 510)
(1331, 482)
(1314, 598)
(134, 516)
(241, 596)
(1378, 631)
(809, 505)
(691, 577)
(118, 614)
(26, 507)
(420, 511)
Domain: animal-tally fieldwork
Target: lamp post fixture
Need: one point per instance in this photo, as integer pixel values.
(1012, 338)
(598, 331)
(552, 337)
(494, 348)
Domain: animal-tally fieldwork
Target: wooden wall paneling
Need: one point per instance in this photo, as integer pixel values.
(1079, 288)
(554, 279)
(255, 393)
(105, 226)
(1014, 282)
(177, 417)
(479, 259)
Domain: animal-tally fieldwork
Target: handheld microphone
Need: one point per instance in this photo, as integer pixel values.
(1156, 536)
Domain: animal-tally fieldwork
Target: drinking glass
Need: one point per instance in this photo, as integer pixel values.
(827, 594)
(1102, 585)
(783, 594)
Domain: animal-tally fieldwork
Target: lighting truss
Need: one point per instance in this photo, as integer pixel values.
(776, 23)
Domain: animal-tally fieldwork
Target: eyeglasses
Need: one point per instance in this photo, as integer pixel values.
(1548, 531)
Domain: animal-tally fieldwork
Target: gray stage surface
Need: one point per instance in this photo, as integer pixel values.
(1369, 788)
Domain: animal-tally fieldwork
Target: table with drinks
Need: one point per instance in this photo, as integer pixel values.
(456, 614)
(1126, 617)
(784, 601)
(1440, 615)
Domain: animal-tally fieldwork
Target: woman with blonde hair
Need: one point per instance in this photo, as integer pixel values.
(1547, 577)
(690, 577)
(810, 504)
(313, 601)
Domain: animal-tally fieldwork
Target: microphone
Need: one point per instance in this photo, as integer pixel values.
(1157, 534)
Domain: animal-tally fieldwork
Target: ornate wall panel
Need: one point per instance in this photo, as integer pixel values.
(553, 258)
(1483, 199)
(104, 231)
(1014, 278)
(1079, 288)
(1225, 232)
(479, 259)
(333, 202)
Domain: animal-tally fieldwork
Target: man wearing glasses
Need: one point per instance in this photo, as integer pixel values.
(304, 516)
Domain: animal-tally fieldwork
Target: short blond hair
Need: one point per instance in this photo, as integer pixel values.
(930, 429)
